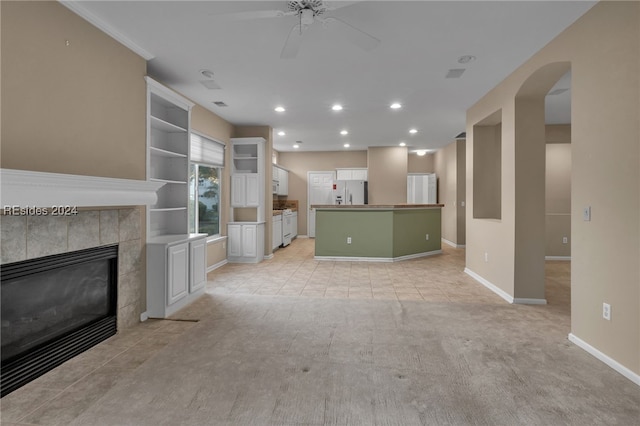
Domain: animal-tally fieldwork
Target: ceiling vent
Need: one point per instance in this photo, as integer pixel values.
(462, 135)
(455, 72)
(556, 92)
(220, 104)
(210, 84)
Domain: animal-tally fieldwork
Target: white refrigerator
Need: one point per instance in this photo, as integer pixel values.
(350, 192)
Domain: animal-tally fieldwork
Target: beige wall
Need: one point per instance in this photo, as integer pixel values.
(461, 187)
(558, 199)
(299, 163)
(421, 164)
(487, 177)
(451, 172)
(387, 175)
(603, 49)
(68, 109)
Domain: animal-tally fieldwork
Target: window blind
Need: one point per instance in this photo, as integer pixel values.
(206, 151)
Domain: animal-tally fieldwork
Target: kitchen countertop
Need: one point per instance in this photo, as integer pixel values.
(376, 206)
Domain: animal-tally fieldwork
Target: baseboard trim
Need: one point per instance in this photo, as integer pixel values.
(568, 258)
(452, 244)
(500, 292)
(377, 259)
(268, 256)
(144, 316)
(635, 378)
(497, 290)
(216, 265)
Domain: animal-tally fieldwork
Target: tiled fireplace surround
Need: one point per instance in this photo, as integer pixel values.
(29, 237)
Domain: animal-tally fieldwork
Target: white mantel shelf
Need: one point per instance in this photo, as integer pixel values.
(25, 188)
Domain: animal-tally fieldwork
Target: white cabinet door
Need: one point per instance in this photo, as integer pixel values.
(294, 225)
(235, 240)
(252, 191)
(277, 232)
(359, 174)
(178, 272)
(238, 192)
(344, 174)
(283, 189)
(249, 241)
(197, 264)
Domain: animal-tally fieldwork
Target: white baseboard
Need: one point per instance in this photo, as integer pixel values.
(500, 292)
(268, 256)
(302, 236)
(494, 288)
(377, 259)
(144, 316)
(635, 378)
(557, 258)
(216, 265)
(452, 244)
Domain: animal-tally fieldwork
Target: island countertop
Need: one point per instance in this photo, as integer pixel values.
(375, 206)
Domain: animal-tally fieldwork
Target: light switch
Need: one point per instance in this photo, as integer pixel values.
(586, 214)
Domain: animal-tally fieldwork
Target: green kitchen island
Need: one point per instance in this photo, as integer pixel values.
(379, 233)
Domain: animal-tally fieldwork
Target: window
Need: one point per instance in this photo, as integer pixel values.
(204, 192)
(205, 172)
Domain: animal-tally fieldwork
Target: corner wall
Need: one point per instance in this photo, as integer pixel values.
(603, 48)
(387, 175)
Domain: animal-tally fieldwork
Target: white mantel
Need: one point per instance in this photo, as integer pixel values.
(25, 188)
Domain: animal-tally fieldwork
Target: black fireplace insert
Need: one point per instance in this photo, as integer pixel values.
(54, 308)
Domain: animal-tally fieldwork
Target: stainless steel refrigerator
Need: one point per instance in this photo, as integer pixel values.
(350, 192)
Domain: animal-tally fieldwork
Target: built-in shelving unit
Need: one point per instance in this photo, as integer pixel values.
(246, 237)
(176, 259)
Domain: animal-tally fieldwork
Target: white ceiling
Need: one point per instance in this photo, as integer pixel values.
(420, 42)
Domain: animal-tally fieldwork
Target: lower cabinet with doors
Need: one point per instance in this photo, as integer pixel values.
(294, 225)
(276, 241)
(246, 242)
(176, 272)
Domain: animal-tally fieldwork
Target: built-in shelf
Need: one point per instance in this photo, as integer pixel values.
(165, 126)
(164, 153)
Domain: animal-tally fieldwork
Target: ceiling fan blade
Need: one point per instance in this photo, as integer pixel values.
(354, 35)
(254, 14)
(292, 45)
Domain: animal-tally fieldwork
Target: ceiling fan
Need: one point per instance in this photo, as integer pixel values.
(308, 12)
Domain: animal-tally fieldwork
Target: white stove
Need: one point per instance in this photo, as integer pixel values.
(287, 216)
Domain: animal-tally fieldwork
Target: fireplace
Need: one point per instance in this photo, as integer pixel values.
(54, 308)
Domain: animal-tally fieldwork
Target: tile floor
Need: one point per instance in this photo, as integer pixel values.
(62, 395)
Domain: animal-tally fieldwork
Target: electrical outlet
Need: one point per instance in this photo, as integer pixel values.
(348, 240)
(565, 240)
(606, 311)
(486, 256)
(427, 237)
(586, 214)
(224, 244)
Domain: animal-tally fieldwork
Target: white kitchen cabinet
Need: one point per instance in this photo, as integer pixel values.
(422, 188)
(276, 240)
(351, 174)
(176, 272)
(294, 225)
(245, 190)
(246, 242)
(283, 180)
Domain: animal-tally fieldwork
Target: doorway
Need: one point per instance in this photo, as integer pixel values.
(319, 191)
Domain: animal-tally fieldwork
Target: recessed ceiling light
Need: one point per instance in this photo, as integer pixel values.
(337, 107)
(421, 152)
(344, 132)
(413, 131)
(279, 109)
(403, 144)
(207, 73)
(346, 145)
(395, 105)
(296, 146)
(466, 59)
(281, 133)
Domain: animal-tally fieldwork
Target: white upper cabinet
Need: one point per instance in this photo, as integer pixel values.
(351, 174)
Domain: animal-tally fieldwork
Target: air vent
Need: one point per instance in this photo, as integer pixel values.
(210, 84)
(556, 92)
(220, 104)
(455, 72)
(462, 135)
